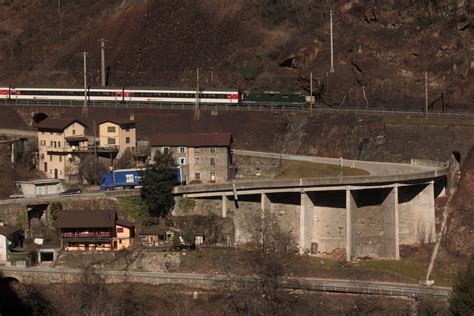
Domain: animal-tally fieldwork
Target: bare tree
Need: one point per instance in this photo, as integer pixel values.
(90, 170)
(262, 290)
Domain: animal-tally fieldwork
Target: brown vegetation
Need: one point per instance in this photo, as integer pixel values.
(381, 51)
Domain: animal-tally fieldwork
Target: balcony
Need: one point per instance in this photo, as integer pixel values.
(82, 149)
(86, 235)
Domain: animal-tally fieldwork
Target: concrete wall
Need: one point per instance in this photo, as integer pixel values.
(329, 220)
(251, 166)
(245, 212)
(286, 208)
(202, 206)
(416, 214)
(373, 222)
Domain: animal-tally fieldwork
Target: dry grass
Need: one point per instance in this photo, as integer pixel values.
(292, 169)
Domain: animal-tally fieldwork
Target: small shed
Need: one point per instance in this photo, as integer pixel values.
(39, 187)
(9, 239)
(155, 235)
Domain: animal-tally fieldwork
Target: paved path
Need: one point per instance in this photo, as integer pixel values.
(215, 280)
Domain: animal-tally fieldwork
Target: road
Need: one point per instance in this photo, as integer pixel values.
(48, 198)
(375, 168)
(383, 170)
(215, 280)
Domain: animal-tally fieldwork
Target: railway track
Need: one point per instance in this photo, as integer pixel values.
(255, 107)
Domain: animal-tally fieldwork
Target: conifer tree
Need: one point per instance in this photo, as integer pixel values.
(157, 185)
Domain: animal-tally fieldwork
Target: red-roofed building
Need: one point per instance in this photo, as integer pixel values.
(205, 157)
(94, 230)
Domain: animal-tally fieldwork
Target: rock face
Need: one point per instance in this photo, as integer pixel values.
(460, 233)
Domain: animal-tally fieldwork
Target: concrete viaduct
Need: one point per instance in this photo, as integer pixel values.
(365, 215)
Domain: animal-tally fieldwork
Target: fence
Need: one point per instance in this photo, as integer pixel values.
(259, 107)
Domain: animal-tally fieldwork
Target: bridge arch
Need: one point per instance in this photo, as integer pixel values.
(8, 280)
(38, 117)
(457, 155)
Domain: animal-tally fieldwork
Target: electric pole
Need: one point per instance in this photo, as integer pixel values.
(196, 106)
(197, 89)
(84, 109)
(311, 91)
(332, 44)
(102, 61)
(426, 93)
(95, 153)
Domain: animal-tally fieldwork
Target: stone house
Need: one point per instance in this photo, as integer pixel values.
(94, 230)
(58, 142)
(118, 133)
(9, 238)
(204, 157)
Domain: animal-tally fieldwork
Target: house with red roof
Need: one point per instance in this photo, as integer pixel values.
(94, 230)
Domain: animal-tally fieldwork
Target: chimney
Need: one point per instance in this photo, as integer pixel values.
(132, 116)
(2, 223)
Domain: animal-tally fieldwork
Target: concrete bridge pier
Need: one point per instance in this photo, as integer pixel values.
(306, 222)
(225, 206)
(417, 213)
(372, 223)
(350, 218)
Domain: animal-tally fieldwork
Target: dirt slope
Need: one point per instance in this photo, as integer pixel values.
(381, 53)
(460, 236)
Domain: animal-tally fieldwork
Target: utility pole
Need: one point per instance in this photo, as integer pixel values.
(102, 61)
(197, 89)
(332, 44)
(426, 93)
(311, 92)
(196, 106)
(84, 109)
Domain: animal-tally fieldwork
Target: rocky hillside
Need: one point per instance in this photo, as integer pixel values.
(382, 49)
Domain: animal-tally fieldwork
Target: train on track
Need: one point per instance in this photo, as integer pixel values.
(232, 97)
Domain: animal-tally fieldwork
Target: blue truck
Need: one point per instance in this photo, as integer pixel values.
(129, 178)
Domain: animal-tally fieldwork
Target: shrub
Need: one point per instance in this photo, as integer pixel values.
(461, 301)
(253, 69)
(185, 204)
(320, 35)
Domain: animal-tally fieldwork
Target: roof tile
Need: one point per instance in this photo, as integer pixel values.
(57, 124)
(86, 219)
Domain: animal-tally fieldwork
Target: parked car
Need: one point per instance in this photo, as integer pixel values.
(71, 191)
